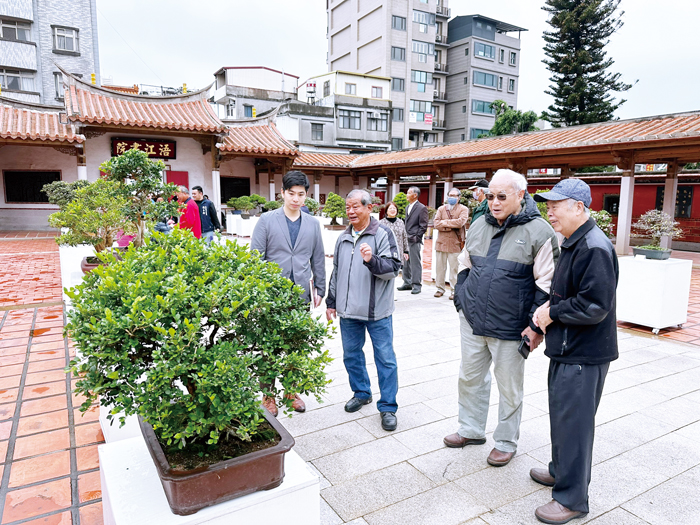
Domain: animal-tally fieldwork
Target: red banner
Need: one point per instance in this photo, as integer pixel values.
(156, 148)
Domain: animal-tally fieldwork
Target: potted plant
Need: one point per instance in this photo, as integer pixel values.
(91, 214)
(184, 334)
(401, 202)
(233, 204)
(313, 205)
(271, 205)
(245, 205)
(655, 224)
(604, 221)
(258, 201)
(334, 209)
(61, 193)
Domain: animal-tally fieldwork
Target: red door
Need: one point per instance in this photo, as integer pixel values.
(181, 178)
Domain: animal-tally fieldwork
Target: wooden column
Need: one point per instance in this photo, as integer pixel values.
(670, 193)
(565, 172)
(624, 215)
(355, 181)
(431, 191)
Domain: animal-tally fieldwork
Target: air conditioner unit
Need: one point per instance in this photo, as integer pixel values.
(375, 114)
(436, 93)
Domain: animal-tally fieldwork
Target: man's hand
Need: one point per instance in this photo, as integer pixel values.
(330, 313)
(317, 299)
(541, 317)
(366, 252)
(534, 337)
(405, 257)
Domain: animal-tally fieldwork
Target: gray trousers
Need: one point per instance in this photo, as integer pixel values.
(442, 259)
(413, 268)
(474, 387)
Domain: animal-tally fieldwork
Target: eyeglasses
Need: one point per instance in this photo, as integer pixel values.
(501, 196)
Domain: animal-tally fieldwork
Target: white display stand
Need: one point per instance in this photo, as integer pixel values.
(114, 432)
(653, 293)
(70, 258)
(132, 493)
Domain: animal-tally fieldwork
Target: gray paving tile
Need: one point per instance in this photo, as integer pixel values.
(474, 521)
(376, 490)
(354, 462)
(408, 417)
(690, 431)
(670, 454)
(448, 371)
(323, 482)
(328, 515)
(437, 387)
(679, 362)
(331, 440)
(617, 516)
(520, 511)
(678, 412)
(446, 405)
(534, 433)
(632, 430)
(677, 384)
(446, 505)
(427, 438)
(627, 401)
(325, 417)
(448, 464)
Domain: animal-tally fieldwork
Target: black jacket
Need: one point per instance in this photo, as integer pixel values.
(582, 300)
(208, 216)
(416, 222)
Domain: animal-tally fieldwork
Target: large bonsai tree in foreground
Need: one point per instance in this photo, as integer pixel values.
(184, 334)
(576, 56)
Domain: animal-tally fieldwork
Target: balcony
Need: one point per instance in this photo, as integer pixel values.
(438, 124)
(439, 96)
(441, 40)
(440, 68)
(443, 11)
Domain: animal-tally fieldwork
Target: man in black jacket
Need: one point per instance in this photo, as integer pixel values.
(581, 335)
(207, 214)
(416, 226)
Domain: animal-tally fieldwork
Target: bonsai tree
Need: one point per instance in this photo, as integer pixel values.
(401, 203)
(271, 205)
(231, 203)
(244, 204)
(183, 334)
(604, 221)
(313, 205)
(61, 192)
(334, 208)
(140, 180)
(257, 199)
(93, 215)
(656, 224)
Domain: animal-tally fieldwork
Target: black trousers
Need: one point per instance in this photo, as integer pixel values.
(574, 395)
(413, 268)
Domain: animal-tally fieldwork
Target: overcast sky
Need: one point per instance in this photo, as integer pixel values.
(168, 42)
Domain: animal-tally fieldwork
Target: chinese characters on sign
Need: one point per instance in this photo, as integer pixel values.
(156, 148)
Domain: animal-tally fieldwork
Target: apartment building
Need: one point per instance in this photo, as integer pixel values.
(35, 35)
(484, 62)
(406, 41)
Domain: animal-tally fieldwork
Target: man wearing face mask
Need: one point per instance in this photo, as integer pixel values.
(449, 221)
(479, 193)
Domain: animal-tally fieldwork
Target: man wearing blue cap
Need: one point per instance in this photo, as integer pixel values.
(581, 336)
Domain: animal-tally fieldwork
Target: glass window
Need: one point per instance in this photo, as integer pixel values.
(500, 82)
(398, 23)
(464, 109)
(377, 92)
(512, 58)
(25, 186)
(316, 131)
(349, 119)
(231, 109)
(398, 53)
(398, 84)
(397, 115)
(14, 79)
(326, 88)
(423, 17)
(475, 132)
(248, 111)
(466, 80)
(466, 51)
(65, 39)
(484, 79)
(377, 124)
(501, 55)
(484, 50)
(511, 85)
(420, 108)
(350, 89)
(423, 50)
(58, 84)
(481, 106)
(462, 136)
(396, 144)
(611, 203)
(422, 79)
(15, 30)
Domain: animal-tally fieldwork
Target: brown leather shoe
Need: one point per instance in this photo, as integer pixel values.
(452, 297)
(542, 476)
(457, 441)
(298, 405)
(269, 404)
(439, 293)
(556, 513)
(498, 458)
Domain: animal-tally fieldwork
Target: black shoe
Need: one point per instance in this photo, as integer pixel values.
(389, 421)
(405, 287)
(356, 404)
(415, 291)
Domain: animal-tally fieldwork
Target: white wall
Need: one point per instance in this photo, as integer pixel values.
(261, 79)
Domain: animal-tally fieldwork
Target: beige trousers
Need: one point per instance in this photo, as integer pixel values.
(441, 261)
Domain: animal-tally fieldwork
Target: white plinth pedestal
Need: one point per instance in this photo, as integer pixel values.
(653, 293)
(113, 432)
(132, 493)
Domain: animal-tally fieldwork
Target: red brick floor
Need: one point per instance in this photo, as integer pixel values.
(48, 450)
(28, 234)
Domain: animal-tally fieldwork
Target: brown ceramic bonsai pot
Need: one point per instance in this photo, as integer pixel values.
(189, 491)
(89, 263)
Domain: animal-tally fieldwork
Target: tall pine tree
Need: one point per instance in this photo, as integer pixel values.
(577, 59)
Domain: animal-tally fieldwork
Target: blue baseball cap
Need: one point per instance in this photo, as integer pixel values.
(567, 189)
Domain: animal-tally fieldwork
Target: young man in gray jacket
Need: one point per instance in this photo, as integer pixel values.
(365, 263)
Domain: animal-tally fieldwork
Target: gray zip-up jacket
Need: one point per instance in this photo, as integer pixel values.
(364, 290)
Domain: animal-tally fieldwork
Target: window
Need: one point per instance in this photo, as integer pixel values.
(326, 88)
(377, 124)
(396, 144)
(420, 108)
(316, 131)
(464, 109)
(397, 115)
(350, 89)
(462, 136)
(611, 203)
(484, 79)
(422, 78)
(512, 58)
(398, 53)
(430, 137)
(466, 80)
(65, 39)
(376, 92)
(423, 50)
(500, 83)
(466, 51)
(423, 17)
(16, 80)
(349, 119)
(480, 106)
(398, 23)
(501, 55)
(248, 111)
(484, 50)
(475, 132)
(398, 84)
(25, 186)
(511, 85)
(684, 201)
(15, 30)
(58, 84)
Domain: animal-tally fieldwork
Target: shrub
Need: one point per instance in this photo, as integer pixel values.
(244, 204)
(272, 205)
(604, 221)
(184, 334)
(401, 202)
(313, 205)
(334, 208)
(61, 192)
(656, 224)
(257, 199)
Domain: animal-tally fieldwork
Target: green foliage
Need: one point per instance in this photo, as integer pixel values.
(244, 203)
(466, 199)
(431, 213)
(576, 56)
(313, 205)
(509, 121)
(692, 166)
(94, 216)
(257, 199)
(401, 202)
(272, 205)
(61, 192)
(334, 208)
(140, 182)
(655, 224)
(184, 333)
(596, 169)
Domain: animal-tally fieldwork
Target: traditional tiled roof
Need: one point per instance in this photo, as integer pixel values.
(33, 122)
(256, 136)
(335, 160)
(93, 105)
(133, 90)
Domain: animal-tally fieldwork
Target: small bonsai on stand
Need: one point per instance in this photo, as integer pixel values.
(401, 202)
(334, 208)
(656, 224)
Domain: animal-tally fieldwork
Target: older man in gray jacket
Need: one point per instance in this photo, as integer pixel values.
(366, 262)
